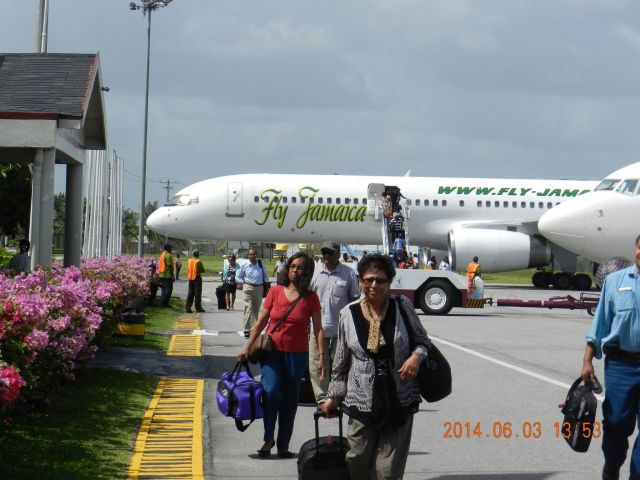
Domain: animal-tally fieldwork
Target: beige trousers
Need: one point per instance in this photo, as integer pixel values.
(252, 304)
(320, 386)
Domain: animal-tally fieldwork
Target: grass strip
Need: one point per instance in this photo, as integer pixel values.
(158, 318)
(86, 432)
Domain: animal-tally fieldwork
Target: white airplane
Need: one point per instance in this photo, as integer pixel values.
(601, 224)
(494, 219)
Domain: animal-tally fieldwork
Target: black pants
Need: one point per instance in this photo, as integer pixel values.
(166, 284)
(195, 293)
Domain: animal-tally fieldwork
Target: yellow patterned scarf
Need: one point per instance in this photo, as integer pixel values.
(375, 340)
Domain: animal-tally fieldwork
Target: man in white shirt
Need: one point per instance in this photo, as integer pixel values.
(336, 285)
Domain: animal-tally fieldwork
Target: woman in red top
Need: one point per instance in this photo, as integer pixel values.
(284, 367)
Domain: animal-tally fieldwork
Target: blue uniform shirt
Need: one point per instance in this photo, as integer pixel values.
(617, 319)
(250, 273)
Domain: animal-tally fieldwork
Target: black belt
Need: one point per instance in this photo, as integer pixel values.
(615, 352)
(255, 284)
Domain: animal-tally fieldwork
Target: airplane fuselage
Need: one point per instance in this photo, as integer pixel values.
(315, 208)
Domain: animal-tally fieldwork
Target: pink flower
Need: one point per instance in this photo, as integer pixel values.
(37, 340)
(10, 384)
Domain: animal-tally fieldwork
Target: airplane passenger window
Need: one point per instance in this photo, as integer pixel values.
(487, 204)
(461, 203)
(364, 201)
(284, 199)
(540, 204)
(514, 204)
(265, 199)
(435, 203)
(293, 200)
(444, 203)
(417, 203)
(505, 204)
(256, 199)
(523, 204)
(557, 203)
(329, 200)
(338, 201)
(608, 184)
(320, 200)
(426, 203)
(479, 204)
(496, 204)
(347, 201)
(532, 204)
(408, 202)
(628, 186)
(355, 201)
(549, 204)
(311, 200)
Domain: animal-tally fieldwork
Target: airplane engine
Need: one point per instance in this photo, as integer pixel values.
(497, 250)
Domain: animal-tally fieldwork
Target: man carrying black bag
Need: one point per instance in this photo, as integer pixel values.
(616, 332)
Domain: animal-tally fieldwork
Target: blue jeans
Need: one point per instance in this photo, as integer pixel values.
(282, 374)
(620, 411)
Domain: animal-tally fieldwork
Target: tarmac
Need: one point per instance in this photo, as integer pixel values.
(511, 367)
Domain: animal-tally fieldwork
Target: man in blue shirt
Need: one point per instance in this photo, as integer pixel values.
(252, 277)
(616, 332)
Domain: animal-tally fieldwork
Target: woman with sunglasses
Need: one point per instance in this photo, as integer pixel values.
(284, 367)
(374, 372)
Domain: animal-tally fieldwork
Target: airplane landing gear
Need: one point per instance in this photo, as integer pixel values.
(561, 280)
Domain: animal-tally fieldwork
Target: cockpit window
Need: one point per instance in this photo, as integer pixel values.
(628, 186)
(608, 184)
(184, 200)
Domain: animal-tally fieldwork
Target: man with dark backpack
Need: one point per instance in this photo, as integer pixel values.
(616, 333)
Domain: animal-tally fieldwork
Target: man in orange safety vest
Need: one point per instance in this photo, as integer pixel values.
(195, 269)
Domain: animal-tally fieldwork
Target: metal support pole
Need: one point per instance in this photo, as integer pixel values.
(144, 148)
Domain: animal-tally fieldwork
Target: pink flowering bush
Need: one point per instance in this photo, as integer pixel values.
(49, 320)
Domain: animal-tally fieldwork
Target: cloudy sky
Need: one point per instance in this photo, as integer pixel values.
(493, 88)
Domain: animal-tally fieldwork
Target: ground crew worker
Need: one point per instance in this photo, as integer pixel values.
(165, 275)
(21, 262)
(195, 269)
(616, 332)
(472, 269)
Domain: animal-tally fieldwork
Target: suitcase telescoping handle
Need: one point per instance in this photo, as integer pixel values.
(317, 415)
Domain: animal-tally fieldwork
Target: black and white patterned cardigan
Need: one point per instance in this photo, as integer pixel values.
(353, 371)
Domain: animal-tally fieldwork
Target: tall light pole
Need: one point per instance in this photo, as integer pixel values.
(147, 7)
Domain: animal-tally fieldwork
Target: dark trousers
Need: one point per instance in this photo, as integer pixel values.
(195, 293)
(621, 413)
(166, 284)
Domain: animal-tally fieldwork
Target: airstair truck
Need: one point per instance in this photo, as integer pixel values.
(435, 292)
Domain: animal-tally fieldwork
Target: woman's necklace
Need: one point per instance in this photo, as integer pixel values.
(374, 340)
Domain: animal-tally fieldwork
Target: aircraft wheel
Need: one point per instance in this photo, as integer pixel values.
(582, 282)
(436, 298)
(562, 280)
(541, 279)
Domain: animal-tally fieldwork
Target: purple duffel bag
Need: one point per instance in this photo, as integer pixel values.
(239, 396)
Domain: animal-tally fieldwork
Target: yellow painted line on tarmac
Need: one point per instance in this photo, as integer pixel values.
(169, 444)
(184, 346)
(188, 323)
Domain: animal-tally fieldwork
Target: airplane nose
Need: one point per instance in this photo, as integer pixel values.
(156, 222)
(564, 225)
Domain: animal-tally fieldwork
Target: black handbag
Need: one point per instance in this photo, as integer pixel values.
(434, 375)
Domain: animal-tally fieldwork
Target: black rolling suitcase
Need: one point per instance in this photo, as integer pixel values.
(323, 457)
(220, 293)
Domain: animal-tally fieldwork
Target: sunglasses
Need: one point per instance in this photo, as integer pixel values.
(378, 280)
